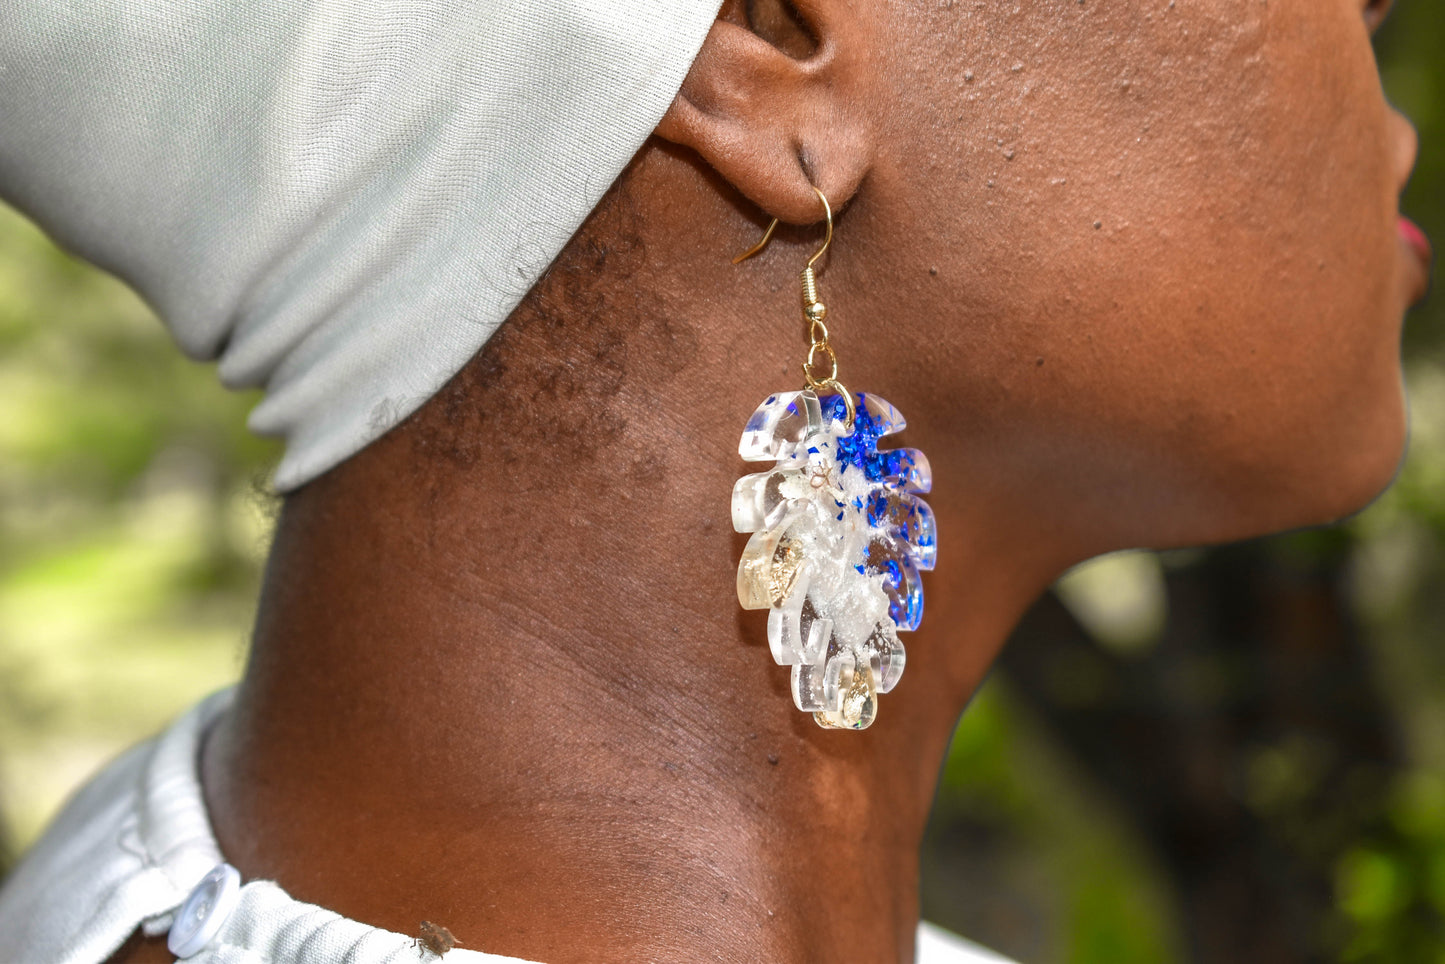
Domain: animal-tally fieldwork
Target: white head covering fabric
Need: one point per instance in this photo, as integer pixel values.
(340, 200)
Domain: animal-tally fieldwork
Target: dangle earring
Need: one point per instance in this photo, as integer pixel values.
(839, 532)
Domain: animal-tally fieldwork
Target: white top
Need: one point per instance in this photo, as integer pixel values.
(338, 200)
(135, 842)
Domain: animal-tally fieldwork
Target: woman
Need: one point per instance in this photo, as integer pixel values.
(1135, 272)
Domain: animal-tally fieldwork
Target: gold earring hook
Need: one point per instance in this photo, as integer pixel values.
(767, 236)
(820, 353)
(773, 226)
(828, 236)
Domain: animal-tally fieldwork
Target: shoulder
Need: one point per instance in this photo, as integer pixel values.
(121, 853)
(82, 855)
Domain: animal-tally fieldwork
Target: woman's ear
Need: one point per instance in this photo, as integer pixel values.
(775, 109)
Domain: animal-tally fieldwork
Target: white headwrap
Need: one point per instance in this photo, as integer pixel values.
(340, 200)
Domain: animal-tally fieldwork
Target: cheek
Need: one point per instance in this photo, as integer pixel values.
(1188, 259)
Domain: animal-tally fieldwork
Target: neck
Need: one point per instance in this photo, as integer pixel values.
(515, 695)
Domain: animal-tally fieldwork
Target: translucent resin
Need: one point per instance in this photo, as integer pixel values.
(839, 537)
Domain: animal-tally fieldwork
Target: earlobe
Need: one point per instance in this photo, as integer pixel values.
(773, 125)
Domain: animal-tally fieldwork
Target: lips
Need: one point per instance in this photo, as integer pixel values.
(1419, 245)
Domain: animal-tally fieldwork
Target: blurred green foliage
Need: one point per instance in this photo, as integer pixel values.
(1390, 885)
(1058, 876)
(131, 527)
(134, 520)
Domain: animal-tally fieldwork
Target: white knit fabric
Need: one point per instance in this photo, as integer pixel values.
(129, 847)
(340, 200)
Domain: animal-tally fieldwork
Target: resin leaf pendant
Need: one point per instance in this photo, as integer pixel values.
(839, 538)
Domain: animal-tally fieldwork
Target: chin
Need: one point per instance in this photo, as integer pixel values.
(1362, 466)
(1351, 460)
(1376, 474)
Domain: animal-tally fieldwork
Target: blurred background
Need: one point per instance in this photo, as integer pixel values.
(1235, 755)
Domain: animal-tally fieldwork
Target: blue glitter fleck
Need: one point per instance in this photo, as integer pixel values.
(861, 447)
(905, 590)
(877, 507)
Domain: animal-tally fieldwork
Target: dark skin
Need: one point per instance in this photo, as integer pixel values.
(1133, 273)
